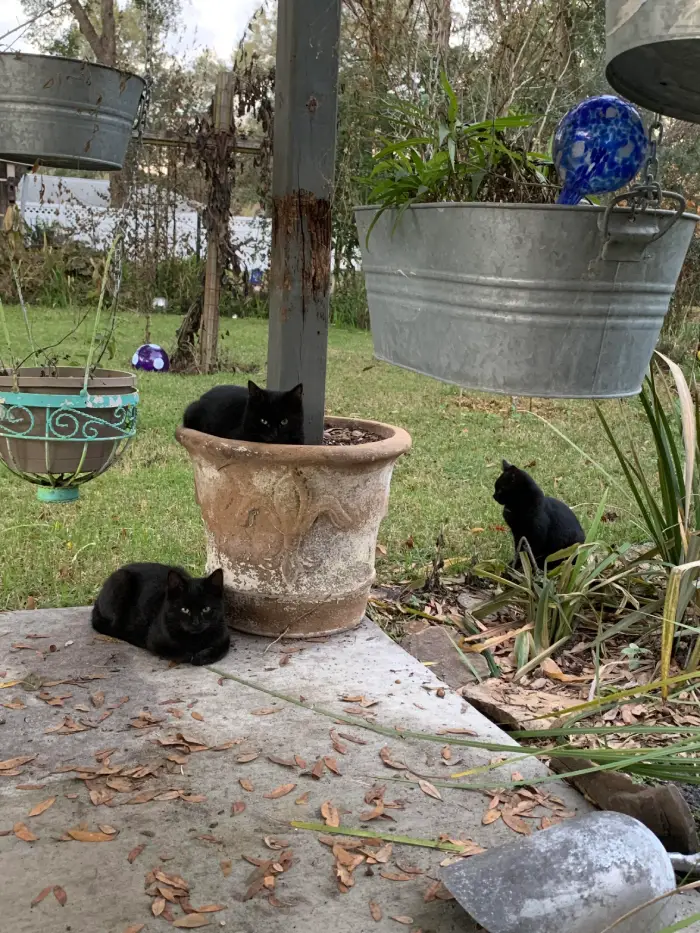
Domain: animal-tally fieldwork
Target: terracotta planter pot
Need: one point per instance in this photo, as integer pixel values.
(294, 528)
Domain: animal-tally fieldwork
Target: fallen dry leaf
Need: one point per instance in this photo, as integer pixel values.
(446, 753)
(331, 764)
(237, 807)
(330, 814)
(514, 822)
(304, 799)
(42, 807)
(407, 921)
(246, 785)
(210, 909)
(108, 830)
(394, 876)
(278, 844)
(24, 833)
(84, 835)
(490, 817)
(14, 704)
(355, 740)
(429, 789)
(245, 759)
(135, 852)
(385, 755)
(375, 911)
(285, 762)
(266, 710)
(191, 922)
(552, 670)
(280, 791)
(197, 716)
(135, 928)
(13, 763)
(226, 867)
(60, 895)
(158, 906)
(318, 769)
(41, 895)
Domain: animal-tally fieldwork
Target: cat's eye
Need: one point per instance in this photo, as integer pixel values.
(206, 610)
(284, 421)
(185, 611)
(262, 421)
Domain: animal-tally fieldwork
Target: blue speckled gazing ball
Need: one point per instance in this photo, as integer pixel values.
(599, 146)
(151, 358)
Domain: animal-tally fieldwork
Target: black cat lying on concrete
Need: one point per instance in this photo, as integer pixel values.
(166, 611)
(547, 524)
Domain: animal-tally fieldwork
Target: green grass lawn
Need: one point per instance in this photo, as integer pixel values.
(144, 508)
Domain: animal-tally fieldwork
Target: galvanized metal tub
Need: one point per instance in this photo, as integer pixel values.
(538, 300)
(65, 113)
(653, 54)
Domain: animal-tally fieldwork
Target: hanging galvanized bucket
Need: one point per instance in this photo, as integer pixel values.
(540, 300)
(65, 113)
(653, 54)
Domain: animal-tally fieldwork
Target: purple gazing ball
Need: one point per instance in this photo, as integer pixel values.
(151, 358)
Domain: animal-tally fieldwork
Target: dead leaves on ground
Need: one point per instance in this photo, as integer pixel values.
(517, 807)
(24, 833)
(280, 791)
(330, 814)
(57, 891)
(264, 879)
(13, 766)
(42, 807)
(86, 835)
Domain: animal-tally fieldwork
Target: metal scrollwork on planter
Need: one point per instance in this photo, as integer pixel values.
(60, 441)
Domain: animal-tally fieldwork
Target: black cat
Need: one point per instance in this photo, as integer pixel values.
(547, 524)
(165, 610)
(251, 414)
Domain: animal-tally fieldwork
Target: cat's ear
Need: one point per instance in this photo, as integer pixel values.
(254, 390)
(215, 581)
(176, 583)
(506, 465)
(297, 391)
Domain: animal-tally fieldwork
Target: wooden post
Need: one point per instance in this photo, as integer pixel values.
(306, 103)
(209, 334)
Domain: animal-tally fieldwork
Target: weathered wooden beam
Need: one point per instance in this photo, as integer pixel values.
(177, 142)
(209, 333)
(306, 103)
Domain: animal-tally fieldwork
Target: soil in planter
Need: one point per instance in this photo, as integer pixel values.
(347, 437)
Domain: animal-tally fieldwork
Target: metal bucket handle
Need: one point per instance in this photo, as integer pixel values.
(629, 245)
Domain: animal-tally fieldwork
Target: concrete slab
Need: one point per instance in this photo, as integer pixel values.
(105, 891)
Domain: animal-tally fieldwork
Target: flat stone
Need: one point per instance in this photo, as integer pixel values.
(433, 646)
(105, 891)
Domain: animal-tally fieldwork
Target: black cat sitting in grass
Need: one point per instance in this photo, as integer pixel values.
(249, 414)
(547, 524)
(166, 611)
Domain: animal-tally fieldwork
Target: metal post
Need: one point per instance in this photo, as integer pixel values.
(306, 101)
(209, 334)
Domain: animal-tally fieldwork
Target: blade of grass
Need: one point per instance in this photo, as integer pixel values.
(366, 834)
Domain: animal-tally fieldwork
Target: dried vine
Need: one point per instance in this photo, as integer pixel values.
(213, 152)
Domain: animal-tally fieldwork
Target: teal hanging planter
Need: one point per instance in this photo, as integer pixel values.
(59, 429)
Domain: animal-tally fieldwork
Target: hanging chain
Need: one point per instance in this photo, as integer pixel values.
(649, 190)
(118, 245)
(148, 75)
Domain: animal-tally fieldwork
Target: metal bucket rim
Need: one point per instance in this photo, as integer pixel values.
(506, 205)
(30, 56)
